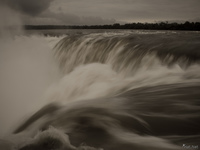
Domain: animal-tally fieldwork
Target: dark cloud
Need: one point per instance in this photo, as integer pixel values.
(29, 7)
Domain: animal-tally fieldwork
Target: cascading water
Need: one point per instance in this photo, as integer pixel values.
(120, 90)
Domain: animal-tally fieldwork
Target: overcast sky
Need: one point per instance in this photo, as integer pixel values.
(90, 12)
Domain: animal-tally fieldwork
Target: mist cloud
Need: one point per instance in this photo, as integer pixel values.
(29, 7)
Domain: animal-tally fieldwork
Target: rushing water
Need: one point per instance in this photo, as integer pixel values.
(110, 90)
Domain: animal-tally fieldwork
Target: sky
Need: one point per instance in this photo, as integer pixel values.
(99, 12)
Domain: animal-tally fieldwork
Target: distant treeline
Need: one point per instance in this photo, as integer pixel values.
(194, 26)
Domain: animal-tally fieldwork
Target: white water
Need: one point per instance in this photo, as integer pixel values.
(98, 80)
(28, 70)
(30, 78)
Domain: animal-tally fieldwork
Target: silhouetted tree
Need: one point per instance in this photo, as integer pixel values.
(150, 26)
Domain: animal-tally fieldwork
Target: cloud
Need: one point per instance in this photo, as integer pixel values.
(131, 10)
(37, 12)
(61, 18)
(29, 7)
(90, 12)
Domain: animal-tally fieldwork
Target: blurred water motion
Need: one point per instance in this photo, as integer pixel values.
(114, 90)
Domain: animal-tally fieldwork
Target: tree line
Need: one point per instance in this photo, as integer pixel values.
(193, 26)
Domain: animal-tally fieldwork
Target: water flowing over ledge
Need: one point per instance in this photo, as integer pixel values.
(118, 91)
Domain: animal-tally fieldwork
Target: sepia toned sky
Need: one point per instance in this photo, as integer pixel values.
(91, 12)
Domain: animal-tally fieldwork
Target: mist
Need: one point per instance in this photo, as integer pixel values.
(27, 68)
